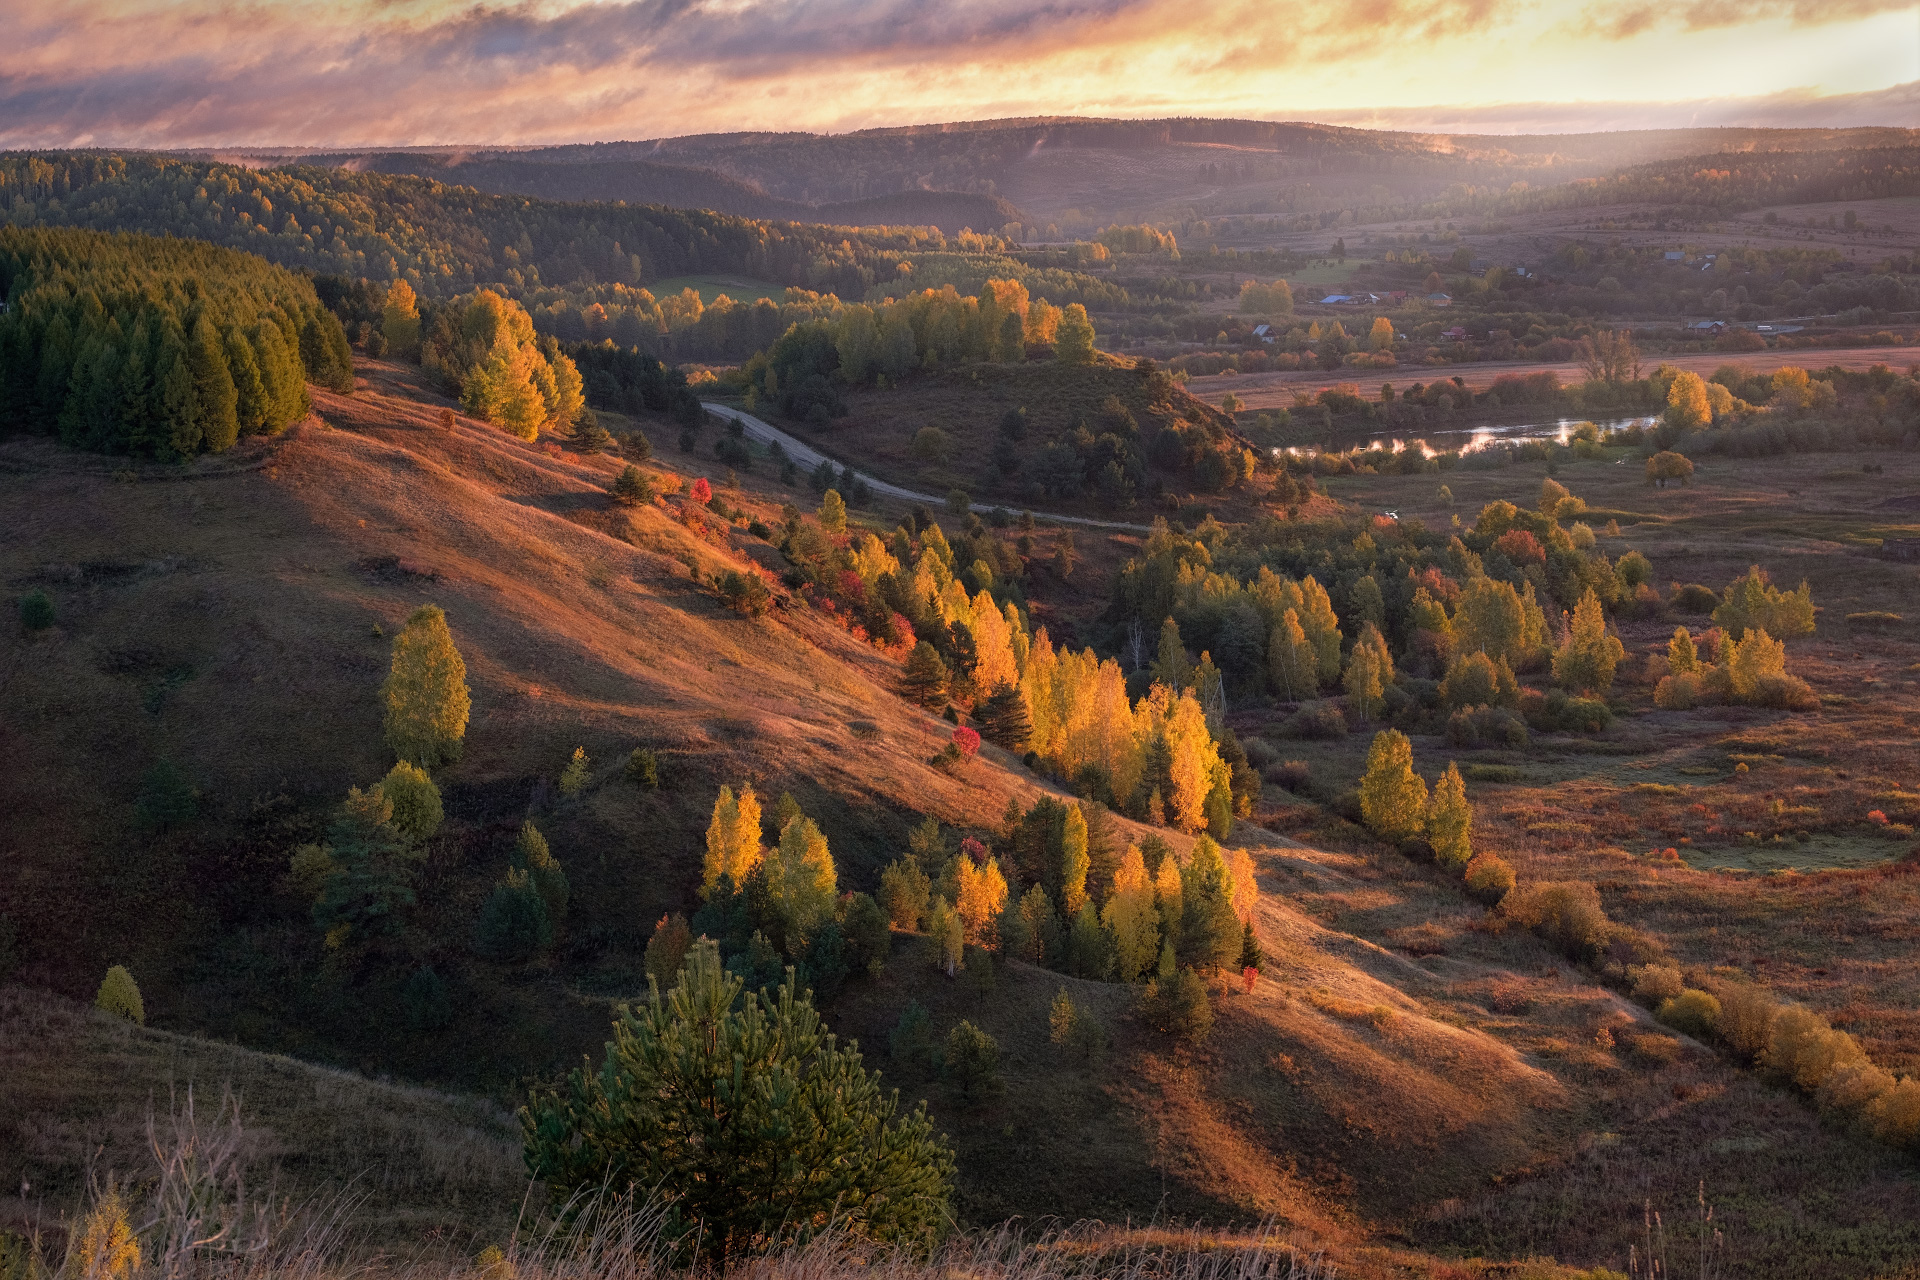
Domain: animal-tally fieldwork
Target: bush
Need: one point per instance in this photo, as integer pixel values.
(1557, 711)
(1566, 913)
(1178, 1006)
(166, 798)
(514, 925)
(1316, 720)
(36, 611)
(745, 594)
(809, 1142)
(970, 1066)
(1693, 598)
(1695, 1012)
(1681, 692)
(120, 996)
(911, 1043)
(643, 768)
(425, 1000)
(1785, 693)
(1746, 1017)
(1494, 773)
(1295, 776)
(1489, 878)
(1486, 727)
(1655, 983)
(1802, 1047)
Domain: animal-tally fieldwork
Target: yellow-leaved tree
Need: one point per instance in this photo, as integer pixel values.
(733, 839)
(982, 897)
(426, 691)
(504, 371)
(1586, 662)
(1132, 917)
(803, 881)
(400, 320)
(1393, 798)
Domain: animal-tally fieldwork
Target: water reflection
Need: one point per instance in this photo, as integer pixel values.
(1464, 440)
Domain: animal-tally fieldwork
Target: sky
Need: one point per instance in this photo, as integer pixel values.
(234, 73)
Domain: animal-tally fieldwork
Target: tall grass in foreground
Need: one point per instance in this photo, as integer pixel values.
(195, 1216)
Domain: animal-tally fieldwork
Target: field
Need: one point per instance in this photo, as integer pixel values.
(1277, 390)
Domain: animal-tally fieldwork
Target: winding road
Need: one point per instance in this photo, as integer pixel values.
(805, 455)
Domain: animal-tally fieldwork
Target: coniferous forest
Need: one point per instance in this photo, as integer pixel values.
(161, 348)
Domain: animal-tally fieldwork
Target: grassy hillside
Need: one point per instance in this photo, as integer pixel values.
(1410, 1074)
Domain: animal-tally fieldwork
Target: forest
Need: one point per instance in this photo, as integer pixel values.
(164, 348)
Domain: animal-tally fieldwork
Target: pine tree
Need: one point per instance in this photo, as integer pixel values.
(579, 771)
(426, 692)
(372, 885)
(971, 1065)
(1171, 666)
(1003, 720)
(213, 389)
(1586, 662)
(1393, 799)
(417, 811)
(1450, 821)
(252, 408)
(631, 488)
(1251, 956)
(533, 856)
(1089, 949)
(807, 1142)
(925, 680)
(119, 995)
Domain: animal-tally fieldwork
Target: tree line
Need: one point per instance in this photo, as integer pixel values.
(161, 348)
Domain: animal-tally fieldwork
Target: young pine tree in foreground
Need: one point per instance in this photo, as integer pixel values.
(120, 996)
(748, 1123)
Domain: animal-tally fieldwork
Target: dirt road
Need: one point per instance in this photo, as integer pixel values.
(808, 457)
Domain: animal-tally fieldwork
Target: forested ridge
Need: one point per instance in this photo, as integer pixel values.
(443, 240)
(159, 347)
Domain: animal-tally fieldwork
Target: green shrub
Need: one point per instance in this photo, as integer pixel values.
(1693, 598)
(911, 1043)
(514, 926)
(1495, 773)
(579, 771)
(1315, 720)
(120, 996)
(1654, 984)
(806, 1142)
(1178, 1005)
(1486, 726)
(1566, 913)
(417, 811)
(1693, 1011)
(643, 768)
(166, 797)
(36, 611)
(425, 1000)
(970, 1066)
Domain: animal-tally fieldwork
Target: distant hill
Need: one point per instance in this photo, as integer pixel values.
(1086, 171)
(646, 182)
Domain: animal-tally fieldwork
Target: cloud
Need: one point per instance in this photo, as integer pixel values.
(1620, 22)
(212, 73)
